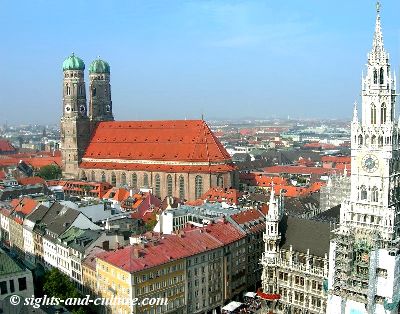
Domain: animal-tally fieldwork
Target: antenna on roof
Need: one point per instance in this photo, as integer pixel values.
(202, 117)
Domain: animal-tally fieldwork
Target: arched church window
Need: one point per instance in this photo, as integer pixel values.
(146, 180)
(375, 76)
(381, 74)
(373, 114)
(220, 181)
(158, 186)
(134, 180)
(94, 92)
(198, 187)
(373, 140)
(363, 193)
(374, 194)
(169, 185)
(93, 176)
(103, 177)
(391, 114)
(113, 179)
(123, 178)
(181, 187)
(68, 89)
(380, 141)
(360, 140)
(383, 113)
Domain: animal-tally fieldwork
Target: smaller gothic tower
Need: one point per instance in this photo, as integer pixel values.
(75, 130)
(272, 239)
(100, 104)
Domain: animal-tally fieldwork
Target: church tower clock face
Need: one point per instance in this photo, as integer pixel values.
(370, 163)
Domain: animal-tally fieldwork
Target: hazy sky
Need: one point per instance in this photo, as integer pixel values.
(179, 59)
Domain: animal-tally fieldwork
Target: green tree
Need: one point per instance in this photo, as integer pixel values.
(58, 285)
(50, 172)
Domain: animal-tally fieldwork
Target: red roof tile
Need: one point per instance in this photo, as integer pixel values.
(179, 140)
(5, 146)
(32, 181)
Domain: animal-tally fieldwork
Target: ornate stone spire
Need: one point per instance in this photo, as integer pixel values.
(378, 52)
(355, 112)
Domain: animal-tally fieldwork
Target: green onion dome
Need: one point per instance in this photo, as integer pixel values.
(73, 63)
(99, 66)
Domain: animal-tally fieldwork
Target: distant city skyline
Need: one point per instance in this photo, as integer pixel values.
(182, 59)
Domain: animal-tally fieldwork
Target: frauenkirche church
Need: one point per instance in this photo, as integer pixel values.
(180, 158)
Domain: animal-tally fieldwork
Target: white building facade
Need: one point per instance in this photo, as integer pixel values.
(364, 259)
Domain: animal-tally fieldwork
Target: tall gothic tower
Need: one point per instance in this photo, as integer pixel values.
(100, 104)
(75, 131)
(364, 257)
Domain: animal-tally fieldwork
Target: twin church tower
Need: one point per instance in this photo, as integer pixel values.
(78, 121)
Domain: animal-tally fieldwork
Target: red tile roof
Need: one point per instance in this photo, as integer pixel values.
(26, 205)
(32, 181)
(179, 140)
(172, 247)
(117, 194)
(2, 175)
(218, 194)
(5, 146)
(297, 170)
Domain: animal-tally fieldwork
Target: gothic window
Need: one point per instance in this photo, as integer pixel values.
(198, 187)
(363, 193)
(383, 113)
(373, 114)
(103, 177)
(113, 179)
(360, 140)
(375, 76)
(134, 180)
(157, 187)
(68, 89)
(220, 181)
(146, 180)
(123, 178)
(94, 92)
(93, 176)
(375, 194)
(381, 73)
(169, 185)
(83, 175)
(380, 141)
(181, 187)
(391, 114)
(373, 140)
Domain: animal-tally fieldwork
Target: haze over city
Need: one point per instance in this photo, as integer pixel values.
(182, 59)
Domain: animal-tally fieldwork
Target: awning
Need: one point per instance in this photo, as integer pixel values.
(232, 306)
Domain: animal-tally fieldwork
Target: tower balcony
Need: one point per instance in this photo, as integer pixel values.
(268, 238)
(269, 259)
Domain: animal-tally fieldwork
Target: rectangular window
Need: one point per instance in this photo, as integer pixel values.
(22, 284)
(3, 287)
(12, 288)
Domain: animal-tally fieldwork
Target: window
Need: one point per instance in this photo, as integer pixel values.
(363, 193)
(3, 287)
(198, 187)
(220, 181)
(375, 76)
(94, 92)
(381, 74)
(157, 187)
(113, 179)
(123, 178)
(181, 187)
(383, 113)
(103, 177)
(68, 89)
(375, 194)
(360, 140)
(169, 185)
(146, 180)
(373, 114)
(22, 284)
(93, 176)
(134, 180)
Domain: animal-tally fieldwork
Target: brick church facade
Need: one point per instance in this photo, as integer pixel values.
(180, 158)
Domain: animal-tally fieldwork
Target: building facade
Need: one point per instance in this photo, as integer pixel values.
(181, 158)
(364, 252)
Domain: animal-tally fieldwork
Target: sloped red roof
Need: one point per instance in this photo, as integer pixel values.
(2, 174)
(5, 146)
(31, 181)
(117, 194)
(189, 242)
(218, 194)
(176, 140)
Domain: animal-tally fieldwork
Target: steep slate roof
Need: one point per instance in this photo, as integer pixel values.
(176, 140)
(305, 234)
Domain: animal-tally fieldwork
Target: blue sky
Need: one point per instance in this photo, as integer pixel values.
(179, 59)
